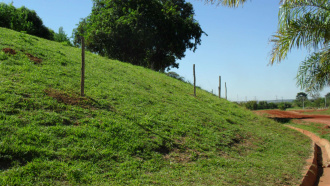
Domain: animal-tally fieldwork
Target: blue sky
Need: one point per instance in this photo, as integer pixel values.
(237, 47)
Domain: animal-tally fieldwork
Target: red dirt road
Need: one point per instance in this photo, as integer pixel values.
(324, 119)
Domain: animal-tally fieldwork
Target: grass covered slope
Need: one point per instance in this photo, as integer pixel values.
(135, 126)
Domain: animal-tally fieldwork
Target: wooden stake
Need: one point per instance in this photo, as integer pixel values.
(226, 89)
(219, 86)
(194, 80)
(82, 87)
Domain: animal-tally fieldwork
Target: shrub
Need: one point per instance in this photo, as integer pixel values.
(262, 105)
(251, 105)
(284, 106)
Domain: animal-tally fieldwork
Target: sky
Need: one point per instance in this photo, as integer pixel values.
(237, 47)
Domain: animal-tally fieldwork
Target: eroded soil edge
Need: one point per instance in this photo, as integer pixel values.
(318, 173)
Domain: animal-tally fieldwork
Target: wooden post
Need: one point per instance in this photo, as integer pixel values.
(82, 87)
(219, 87)
(226, 90)
(194, 81)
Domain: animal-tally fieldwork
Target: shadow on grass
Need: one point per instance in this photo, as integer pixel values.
(76, 100)
(282, 120)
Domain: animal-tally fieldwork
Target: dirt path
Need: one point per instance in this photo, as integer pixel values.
(324, 119)
(322, 144)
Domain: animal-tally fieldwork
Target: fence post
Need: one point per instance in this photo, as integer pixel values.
(226, 89)
(219, 86)
(82, 86)
(194, 80)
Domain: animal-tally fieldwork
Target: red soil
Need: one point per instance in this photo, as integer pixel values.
(322, 143)
(9, 51)
(36, 60)
(295, 115)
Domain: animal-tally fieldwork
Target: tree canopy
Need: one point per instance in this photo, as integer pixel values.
(149, 33)
(23, 19)
(301, 96)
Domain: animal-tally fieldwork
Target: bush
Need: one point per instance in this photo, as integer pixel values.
(262, 105)
(272, 106)
(251, 105)
(284, 106)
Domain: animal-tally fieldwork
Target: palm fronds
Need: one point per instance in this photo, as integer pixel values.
(229, 3)
(314, 75)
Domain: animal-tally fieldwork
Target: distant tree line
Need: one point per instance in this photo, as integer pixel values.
(316, 101)
(262, 105)
(25, 20)
(301, 101)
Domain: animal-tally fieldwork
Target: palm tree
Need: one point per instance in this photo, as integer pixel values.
(229, 3)
(305, 23)
(302, 24)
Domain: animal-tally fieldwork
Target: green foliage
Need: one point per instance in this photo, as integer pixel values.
(62, 37)
(251, 105)
(301, 99)
(301, 96)
(261, 105)
(175, 75)
(302, 24)
(23, 19)
(229, 3)
(135, 127)
(327, 95)
(148, 33)
(284, 105)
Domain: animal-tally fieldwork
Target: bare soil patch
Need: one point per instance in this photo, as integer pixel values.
(76, 100)
(279, 114)
(34, 59)
(69, 99)
(9, 51)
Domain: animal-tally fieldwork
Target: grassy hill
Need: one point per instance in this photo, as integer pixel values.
(134, 127)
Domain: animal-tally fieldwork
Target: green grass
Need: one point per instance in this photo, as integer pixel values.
(322, 112)
(319, 129)
(135, 127)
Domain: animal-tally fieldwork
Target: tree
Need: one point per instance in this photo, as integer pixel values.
(301, 99)
(327, 95)
(149, 33)
(62, 37)
(23, 19)
(304, 24)
(301, 96)
(284, 106)
(251, 105)
(262, 105)
(229, 3)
